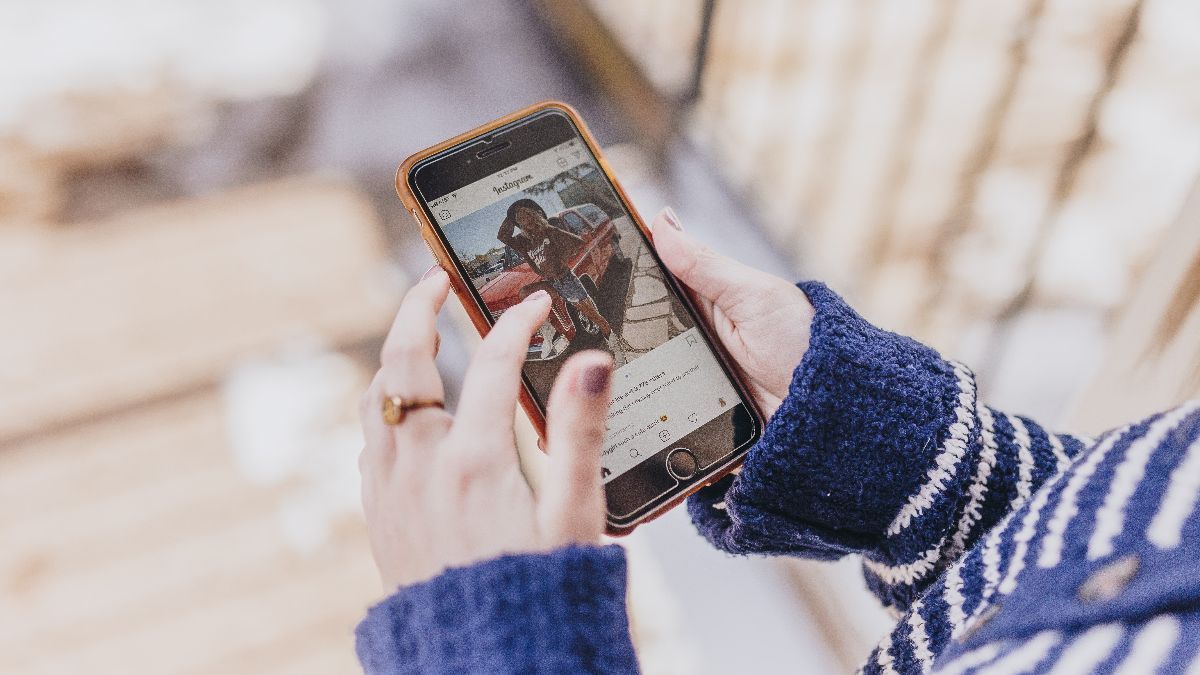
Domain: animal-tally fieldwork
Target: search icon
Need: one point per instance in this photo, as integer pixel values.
(634, 452)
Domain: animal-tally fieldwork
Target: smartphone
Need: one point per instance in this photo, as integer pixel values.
(526, 203)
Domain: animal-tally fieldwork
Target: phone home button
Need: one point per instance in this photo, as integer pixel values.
(682, 463)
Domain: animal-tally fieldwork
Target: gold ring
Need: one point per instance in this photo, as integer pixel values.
(395, 408)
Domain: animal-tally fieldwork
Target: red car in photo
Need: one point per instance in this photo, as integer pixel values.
(594, 259)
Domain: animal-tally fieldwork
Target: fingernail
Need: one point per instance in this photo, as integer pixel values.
(432, 271)
(672, 219)
(536, 296)
(594, 380)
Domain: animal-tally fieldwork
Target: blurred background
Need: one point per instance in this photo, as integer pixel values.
(200, 250)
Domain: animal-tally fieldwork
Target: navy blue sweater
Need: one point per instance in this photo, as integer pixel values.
(1000, 546)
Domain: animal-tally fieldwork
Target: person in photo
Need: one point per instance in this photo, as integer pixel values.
(549, 250)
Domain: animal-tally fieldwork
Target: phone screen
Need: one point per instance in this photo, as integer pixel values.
(549, 219)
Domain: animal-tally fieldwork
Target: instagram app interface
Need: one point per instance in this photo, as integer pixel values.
(553, 222)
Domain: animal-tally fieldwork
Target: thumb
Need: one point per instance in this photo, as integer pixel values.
(723, 281)
(571, 503)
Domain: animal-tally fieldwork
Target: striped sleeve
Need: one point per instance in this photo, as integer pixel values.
(881, 448)
(1165, 643)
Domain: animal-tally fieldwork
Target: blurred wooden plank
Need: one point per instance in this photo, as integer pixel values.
(773, 82)
(164, 299)
(965, 104)
(809, 104)
(660, 36)
(740, 90)
(1140, 170)
(584, 37)
(187, 572)
(322, 647)
(1152, 360)
(904, 38)
(1048, 130)
(211, 629)
(30, 190)
(725, 59)
(103, 531)
(36, 480)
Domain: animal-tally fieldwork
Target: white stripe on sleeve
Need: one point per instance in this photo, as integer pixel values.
(952, 452)
(1088, 650)
(883, 657)
(972, 659)
(908, 573)
(1023, 536)
(919, 638)
(1024, 461)
(1166, 529)
(1060, 454)
(1152, 644)
(954, 599)
(1110, 519)
(978, 489)
(1068, 508)
(1025, 657)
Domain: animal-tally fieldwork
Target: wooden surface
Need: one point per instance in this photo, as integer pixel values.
(1152, 359)
(135, 539)
(133, 545)
(103, 315)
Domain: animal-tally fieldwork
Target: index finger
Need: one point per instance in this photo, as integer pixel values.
(414, 330)
(489, 394)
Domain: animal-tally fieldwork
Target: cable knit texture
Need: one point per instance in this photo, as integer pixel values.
(1004, 548)
(876, 450)
(558, 612)
(827, 427)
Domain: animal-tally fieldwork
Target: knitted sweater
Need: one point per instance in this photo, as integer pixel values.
(1002, 547)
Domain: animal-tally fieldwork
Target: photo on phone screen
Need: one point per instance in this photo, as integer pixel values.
(553, 222)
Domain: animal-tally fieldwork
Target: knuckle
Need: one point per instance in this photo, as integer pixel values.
(421, 434)
(459, 475)
(470, 470)
(481, 460)
(591, 435)
(474, 458)
(436, 423)
(578, 428)
(691, 264)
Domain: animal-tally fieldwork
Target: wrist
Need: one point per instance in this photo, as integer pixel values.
(867, 414)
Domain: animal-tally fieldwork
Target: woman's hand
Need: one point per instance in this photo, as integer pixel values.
(441, 491)
(761, 320)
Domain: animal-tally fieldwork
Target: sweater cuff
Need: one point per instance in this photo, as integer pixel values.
(562, 611)
(872, 434)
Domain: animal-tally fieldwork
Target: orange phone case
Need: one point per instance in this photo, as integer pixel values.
(479, 316)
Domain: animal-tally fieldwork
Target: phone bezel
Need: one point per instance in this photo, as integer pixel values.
(531, 131)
